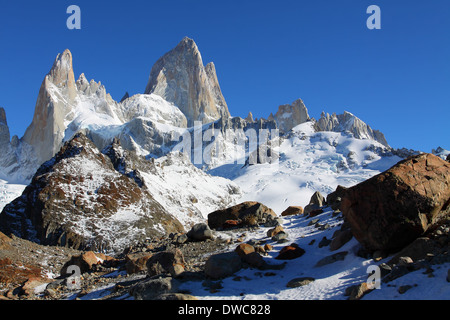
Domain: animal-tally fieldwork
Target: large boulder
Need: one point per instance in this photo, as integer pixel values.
(248, 213)
(390, 210)
(292, 210)
(85, 261)
(200, 232)
(223, 265)
(170, 261)
(152, 288)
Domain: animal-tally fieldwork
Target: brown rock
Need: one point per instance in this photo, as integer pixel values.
(356, 292)
(274, 231)
(417, 250)
(248, 254)
(222, 265)
(136, 262)
(171, 261)
(229, 224)
(292, 210)
(16, 273)
(31, 284)
(244, 249)
(290, 252)
(45, 205)
(299, 282)
(395, 207)
(84, 261)
(334, 199)
(315, 213)
(341, 238)
(249, 213)
(318, 199)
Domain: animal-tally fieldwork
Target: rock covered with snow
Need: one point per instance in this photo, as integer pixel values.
(154, 107)
(347, 122)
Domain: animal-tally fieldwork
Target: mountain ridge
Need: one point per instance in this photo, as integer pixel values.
(65, 106)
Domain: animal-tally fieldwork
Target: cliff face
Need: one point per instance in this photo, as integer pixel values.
(181, 78)
(46, 131)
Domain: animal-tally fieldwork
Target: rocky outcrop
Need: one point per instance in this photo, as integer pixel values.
(395, 207)
(290, 115)
(347, 122)
(17, 158)
(78, 199)
(247, 213)
(181, 78)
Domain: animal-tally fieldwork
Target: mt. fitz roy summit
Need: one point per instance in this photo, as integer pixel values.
(182, 96)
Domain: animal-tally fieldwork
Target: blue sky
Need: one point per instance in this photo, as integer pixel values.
(266, 53)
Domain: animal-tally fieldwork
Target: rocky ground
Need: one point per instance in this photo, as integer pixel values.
(128, 275)
(26, 264)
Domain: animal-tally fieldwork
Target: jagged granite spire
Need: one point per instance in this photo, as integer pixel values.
(180, 77)
(46, 131)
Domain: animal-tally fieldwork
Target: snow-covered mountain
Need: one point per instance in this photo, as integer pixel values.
(309, 161)
(183, 109)
(94, 173)
(106, 201)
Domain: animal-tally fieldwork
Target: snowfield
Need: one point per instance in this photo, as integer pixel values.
(309, 161)
(9, 191)
(330, 280)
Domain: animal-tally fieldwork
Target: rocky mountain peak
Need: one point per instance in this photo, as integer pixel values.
(347, 122)
(290, 115)
(180, 77)
(61, 74)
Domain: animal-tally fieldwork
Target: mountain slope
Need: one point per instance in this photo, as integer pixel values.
(77, 199)
(309, 161)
